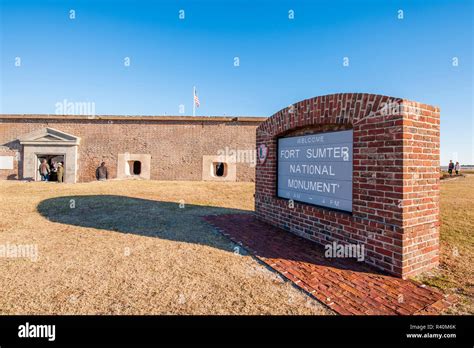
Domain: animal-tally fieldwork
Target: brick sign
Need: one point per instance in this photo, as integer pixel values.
(355, 169)
(317, 169)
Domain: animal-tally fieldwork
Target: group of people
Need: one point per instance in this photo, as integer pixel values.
(57, 169)
(453, 167)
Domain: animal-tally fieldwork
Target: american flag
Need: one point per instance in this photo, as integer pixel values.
(196, 99)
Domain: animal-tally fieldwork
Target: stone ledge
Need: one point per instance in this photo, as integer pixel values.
(250, 119)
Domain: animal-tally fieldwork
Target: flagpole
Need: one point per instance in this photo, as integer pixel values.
(194, 102)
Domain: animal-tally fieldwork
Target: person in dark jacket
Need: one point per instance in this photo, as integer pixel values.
(101, 173)
(450, 167)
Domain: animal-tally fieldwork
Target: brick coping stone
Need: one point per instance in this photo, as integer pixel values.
(346, 286)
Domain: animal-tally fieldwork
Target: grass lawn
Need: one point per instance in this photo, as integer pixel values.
(133, 247)
(140, 247)
(456, 271)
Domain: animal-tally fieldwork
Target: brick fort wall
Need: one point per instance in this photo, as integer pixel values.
(176, 144)
(395, 198)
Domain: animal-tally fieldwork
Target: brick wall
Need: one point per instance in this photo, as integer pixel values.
(395, 211)
(176, 144)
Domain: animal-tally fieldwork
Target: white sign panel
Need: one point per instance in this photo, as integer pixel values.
(317, 169)
(6, 162)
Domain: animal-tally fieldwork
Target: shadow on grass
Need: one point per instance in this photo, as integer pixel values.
(165, 220)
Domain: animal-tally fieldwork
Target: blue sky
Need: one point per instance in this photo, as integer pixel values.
(281, 60)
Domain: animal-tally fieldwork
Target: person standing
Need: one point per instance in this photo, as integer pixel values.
(60, 172)
(450, 167)
(457, 168)
(101, 172)
(44, 170)
(53, 174)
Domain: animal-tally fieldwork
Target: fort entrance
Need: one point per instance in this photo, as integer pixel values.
(52, 145)
(52, 161)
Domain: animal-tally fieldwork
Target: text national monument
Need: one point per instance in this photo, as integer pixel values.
(355, 169)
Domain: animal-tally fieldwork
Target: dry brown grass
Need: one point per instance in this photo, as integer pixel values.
(176, 264)
(128, 248)
(456, 271)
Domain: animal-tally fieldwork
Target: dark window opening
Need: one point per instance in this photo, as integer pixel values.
(134, 168)
(219, 169)
(137, 167)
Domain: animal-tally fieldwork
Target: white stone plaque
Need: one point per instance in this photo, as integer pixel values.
(6, 162)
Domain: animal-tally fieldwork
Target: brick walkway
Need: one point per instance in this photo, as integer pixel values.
(345, 285)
